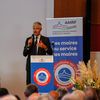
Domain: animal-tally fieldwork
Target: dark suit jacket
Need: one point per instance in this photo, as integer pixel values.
(28, 51)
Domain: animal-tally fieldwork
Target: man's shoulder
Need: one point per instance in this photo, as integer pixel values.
(44, 37)
(29, 37)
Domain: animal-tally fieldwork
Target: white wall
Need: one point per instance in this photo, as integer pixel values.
(16, 18)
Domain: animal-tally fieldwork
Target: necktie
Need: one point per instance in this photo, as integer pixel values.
(35, 45)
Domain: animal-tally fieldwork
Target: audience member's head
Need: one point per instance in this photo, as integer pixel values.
(69, 96)
(45, 97)
(31, 88)
(33, 96)
(90, 93)
(3, 92)
(54, 94)
(61, 92)
(8, 97)
(79, 94)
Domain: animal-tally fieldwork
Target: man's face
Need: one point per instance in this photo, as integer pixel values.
(36, 29)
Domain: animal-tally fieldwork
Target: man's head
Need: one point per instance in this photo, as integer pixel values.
(3, 92)
(37, 27)
(8, 97)
(54, 94)
(33, 96)
(31, 88)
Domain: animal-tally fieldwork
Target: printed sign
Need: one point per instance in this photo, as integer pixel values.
(42, 73)
(66, 36)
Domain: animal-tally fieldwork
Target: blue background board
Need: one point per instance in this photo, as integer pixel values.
(68, 48)
(49, 66)
(63, 50)
(66, 37)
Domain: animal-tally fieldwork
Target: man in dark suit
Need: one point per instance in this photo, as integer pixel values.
(36, 45)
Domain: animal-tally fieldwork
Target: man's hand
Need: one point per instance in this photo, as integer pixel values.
(42, 45)
(30, 41)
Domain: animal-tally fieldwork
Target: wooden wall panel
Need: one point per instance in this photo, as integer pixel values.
(95, 12)
(95, 25)
(69, 8)
(95, 37)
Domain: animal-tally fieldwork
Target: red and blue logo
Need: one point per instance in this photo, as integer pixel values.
(42, 76)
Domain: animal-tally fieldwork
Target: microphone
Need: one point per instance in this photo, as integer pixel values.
(53, 44)
(32, 36)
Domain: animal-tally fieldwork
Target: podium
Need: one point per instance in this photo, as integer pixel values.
(42, 72)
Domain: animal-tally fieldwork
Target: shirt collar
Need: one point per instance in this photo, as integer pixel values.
(37, 36)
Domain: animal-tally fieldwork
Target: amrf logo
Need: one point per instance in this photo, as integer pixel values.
(65, 72)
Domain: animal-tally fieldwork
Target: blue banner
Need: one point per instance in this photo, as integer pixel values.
(42, 73)
(66, 36)
(67, 48)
